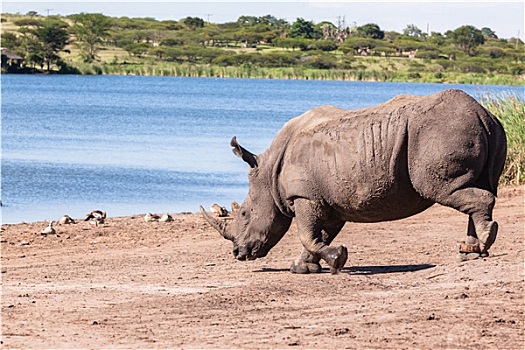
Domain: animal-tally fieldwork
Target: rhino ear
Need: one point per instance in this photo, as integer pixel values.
(235, 208)
(241, 152)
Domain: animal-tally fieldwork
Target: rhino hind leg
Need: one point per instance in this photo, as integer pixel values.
(478, 204)
(472, 237)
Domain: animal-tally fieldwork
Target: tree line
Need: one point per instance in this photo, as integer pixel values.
(270, 42)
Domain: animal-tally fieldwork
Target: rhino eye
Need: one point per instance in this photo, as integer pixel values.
(245, 215)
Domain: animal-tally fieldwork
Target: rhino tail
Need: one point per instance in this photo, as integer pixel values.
(497, 153)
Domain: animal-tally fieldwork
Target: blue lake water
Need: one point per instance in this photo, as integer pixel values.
(131, 145)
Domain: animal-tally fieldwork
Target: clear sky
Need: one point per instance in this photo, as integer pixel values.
(506, 18)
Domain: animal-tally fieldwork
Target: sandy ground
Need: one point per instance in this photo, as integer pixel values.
(132, 284)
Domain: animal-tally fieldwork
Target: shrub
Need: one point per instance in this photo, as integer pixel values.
(97, 69)
(172, 42)
(323, 45)
(446, 64)
(510, 110)
(280, 59)
(319, 62)
(427, 54)
(496, 53)
(472, 68)
(517, 70)
(236, 59)
(64, 68)
(137, 49)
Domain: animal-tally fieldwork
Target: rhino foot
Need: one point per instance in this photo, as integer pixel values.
(336, 258)
(466, 256)
(487, 238)
(305, 267)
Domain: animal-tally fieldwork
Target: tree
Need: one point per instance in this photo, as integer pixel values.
(488, 33)
(44, 39)
(248, 21)
(193, 22)
(436, 39)
(467, 38)
(323, 45)
(331, 32)
(370, 30)
(355, 44)
(90, 30)
(28, 22)
(303, 29)
(268, 20)
(137, 49)
(54, 37)
(403, 44)
(391, 36)
(292, 43)
(11, 41)
(413, 31)
(172, 25)
(273, 22)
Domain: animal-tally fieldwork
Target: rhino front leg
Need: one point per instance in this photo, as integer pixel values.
(308, 262)
(310, 216)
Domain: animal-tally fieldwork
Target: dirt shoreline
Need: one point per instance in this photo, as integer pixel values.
(132, 284)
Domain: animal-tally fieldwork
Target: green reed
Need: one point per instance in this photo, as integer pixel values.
(510, 110)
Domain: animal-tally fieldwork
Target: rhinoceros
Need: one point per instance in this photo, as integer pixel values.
(330, 166)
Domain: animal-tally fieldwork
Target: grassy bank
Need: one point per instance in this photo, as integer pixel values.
(252, 47)
(510, 110)
(251, 71)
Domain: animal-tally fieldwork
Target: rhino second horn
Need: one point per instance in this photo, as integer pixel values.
(216, 224)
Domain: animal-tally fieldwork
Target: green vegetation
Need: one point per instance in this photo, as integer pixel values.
(44, 40)
(259, 47)
(267, 47)
(91, 29)
(510, 110)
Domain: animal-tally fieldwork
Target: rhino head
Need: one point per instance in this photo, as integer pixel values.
(258, 224)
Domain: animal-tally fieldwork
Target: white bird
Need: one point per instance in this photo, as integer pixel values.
(218, 210)
(66, 220)
(96, 217)
(166, 218)
(49, 230)
(151, 217)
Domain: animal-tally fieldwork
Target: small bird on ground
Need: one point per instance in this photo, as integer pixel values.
(96, 217)
(151, 217)
(166, 218)
(49, 230)
(66, 220)
(218, 210)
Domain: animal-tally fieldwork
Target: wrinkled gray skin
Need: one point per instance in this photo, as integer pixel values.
(330, 166)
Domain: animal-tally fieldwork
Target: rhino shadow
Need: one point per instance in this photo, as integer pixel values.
(365, 270)
(375, 270)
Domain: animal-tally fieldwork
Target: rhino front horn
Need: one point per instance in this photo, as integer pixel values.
(216, 224)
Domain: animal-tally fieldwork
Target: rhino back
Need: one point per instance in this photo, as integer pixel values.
(352, 162)
(454, 141)
(357, 162)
